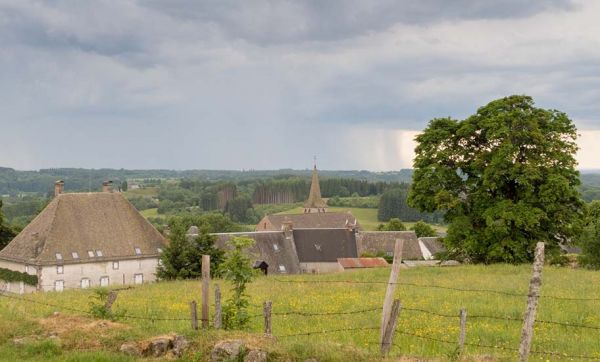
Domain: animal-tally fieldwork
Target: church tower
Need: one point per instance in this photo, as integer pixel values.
(315, 203)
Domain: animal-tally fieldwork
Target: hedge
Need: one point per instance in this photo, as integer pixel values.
(15, 276)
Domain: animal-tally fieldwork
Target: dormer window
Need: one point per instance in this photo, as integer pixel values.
(75, 255)
(159, 250)
(275, 247)
(59, 256)
(99, 253)
(138, 251)
(282, 268)
(91, 253)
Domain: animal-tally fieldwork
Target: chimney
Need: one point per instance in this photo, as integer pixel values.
(58, 187)
(107, 186)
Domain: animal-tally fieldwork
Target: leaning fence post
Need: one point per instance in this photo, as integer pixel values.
(463, 330)
(388, 336)
(532, 301)
(267, 306)
(110, 300)
(194, 315)
(391, 287)
(218, 314)
(205, 289)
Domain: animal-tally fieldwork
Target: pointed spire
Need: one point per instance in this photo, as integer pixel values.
(315, 203)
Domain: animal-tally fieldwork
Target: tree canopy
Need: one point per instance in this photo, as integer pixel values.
(6, 233)
(505, 177)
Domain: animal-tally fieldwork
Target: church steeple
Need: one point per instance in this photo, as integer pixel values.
(315, 203)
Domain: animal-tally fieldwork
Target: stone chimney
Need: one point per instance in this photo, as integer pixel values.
(59, 187)
(107, 186)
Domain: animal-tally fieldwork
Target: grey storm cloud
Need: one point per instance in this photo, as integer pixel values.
(267, 84)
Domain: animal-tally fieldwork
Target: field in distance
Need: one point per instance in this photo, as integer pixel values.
(429, 313)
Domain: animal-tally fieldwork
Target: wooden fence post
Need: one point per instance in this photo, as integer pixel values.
(205, 289)
(388, 336)
(112, 297)
(218, 312)
(194, 315)
(391, 287)
(267, 306)
(532, 301)
(463, 330)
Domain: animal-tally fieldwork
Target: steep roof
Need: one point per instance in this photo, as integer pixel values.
(80, 222)
(324, 245)
(314, 196)
(384, 241)
(270, 246)
(433, 244)
(314, 220)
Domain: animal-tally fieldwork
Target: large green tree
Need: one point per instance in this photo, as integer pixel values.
(590, 237)
(505, 177)
(6, 233)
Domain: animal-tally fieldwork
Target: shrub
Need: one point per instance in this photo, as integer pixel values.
(393, 225)
(15, 276)
(101, 307)
(423, 229)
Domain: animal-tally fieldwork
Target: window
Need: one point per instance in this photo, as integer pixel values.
(275, 247)
(91, 253)
(26, 268)
(159, 250)
(115, 265)
(85, 283)
(59, 285)
(75, 255)
(282, 268)
(59, 269)
(138, 251)
(59, 256)
(104, 282)
(138, 278)
(99, 253)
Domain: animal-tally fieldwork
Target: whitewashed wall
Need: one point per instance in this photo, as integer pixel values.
(319, 268)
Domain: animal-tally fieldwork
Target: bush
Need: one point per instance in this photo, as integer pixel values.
(393, 225)
(100, 307)
(423, 229)
(15, 276)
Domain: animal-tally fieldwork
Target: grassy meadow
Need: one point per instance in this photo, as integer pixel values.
(80, 334)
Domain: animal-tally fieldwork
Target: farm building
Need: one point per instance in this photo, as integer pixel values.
(83, 240)
(374, 242)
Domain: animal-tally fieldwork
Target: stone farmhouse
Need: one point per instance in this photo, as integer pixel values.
(83, 240)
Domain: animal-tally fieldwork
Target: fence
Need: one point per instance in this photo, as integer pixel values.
(390, 337)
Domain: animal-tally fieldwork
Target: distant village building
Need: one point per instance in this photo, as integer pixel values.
(83, 240)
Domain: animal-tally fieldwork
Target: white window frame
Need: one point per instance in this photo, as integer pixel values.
(159, 250)
(89, 283)
(27, 269)
(58, 256)
(99, 253)
(91, 253)
(115, 264)
(75, 255)
(137, 250)
(56, 285)
(105, 277)
(135, 280)
(275, 247)
(282, 268)
(60, 269)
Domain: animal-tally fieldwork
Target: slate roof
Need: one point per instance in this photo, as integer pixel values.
(314, 220)
(82, 222)
(384, 241)
(324, 245)
(264, 249)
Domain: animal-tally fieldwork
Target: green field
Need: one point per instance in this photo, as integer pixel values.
(150, 213)
(416, 327)
(146, 191)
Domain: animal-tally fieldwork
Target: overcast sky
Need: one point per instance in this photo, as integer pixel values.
(268, 84)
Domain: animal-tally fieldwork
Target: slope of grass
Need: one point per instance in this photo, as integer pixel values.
(170, 300)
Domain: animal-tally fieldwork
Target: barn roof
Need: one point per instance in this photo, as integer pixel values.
(384, 241)
(433, 243)
(82, 222)
(270, 246)
(324, 245)
(314, 220)
(349, 263)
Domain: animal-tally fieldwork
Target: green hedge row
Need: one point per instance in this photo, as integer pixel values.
(15, 276)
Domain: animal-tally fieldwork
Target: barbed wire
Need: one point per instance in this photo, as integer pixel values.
(491, 291)
(309, 314)
(329, 331)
